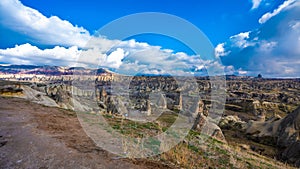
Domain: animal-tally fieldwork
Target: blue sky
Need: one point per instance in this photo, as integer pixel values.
(218, 19)
(247, 34)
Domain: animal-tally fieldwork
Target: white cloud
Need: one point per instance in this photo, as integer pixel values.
(220, 50)
(52, 30)
(269, 15)
(256, 3)
(242, 72)
(241, 40)
(141, 57)
(272, 50)
(75, 46)
(266, 46)
(115, 58)
(28, 54)
(128, 57)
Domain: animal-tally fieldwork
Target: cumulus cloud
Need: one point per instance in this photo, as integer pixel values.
(74, 46)
(241, 40)
(127, 57)
(28, 54)
(52, 30)
(269, 15)
(61, 56)
(220, 50)
(256, 3)
(115, 58)
(272, 50)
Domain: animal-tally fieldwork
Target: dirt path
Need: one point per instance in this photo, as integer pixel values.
(35, 136)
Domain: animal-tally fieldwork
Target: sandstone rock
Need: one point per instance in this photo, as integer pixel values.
(206, 126)
(162, 102)
(158, 100)
(289, 129)
(262, 129)
(26, 92)
(148, 109)
(231, 122)
(285, 131)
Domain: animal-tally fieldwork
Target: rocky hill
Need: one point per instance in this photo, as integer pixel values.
(260, 119)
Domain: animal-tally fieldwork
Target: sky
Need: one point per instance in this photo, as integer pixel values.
(249, 37)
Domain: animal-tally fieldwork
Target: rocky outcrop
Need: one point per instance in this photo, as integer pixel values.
(206, 123)
(208, 127)
(229, 122)
(162, 102)
(285, 133)
(289, 137)
(263, 132)
(292, 154)
(289, 129)
(26, 92)
(11, 90)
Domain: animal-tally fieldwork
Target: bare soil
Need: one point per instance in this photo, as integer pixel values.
(36, 136)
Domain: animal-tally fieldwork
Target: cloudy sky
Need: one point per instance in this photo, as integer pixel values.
(249, 36)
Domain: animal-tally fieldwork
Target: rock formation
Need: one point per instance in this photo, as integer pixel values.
(285, 133)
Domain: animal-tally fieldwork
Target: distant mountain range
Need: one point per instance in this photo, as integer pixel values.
(50, 70)
(59, 70)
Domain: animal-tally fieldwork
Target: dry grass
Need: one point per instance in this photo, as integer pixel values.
(196, 151)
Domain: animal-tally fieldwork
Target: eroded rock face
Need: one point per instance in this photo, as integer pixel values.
(289, 137)
(11, 90)
(206, 126)
(70, 97)
(285, 132)
(230, 122)
(263, 129)
(162, 102)
(28, 93)
(262, 99)
(289, 129)
(292, 154)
